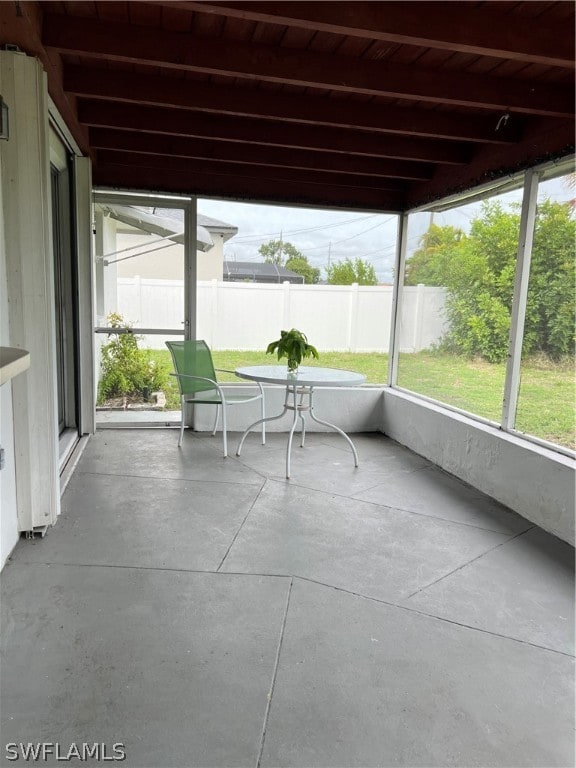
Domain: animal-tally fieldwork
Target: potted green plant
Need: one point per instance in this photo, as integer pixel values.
(293, 345)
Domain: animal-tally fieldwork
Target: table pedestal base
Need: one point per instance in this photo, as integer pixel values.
(299, 400)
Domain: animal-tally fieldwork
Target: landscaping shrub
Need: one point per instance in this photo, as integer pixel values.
(477, 269)
(126, 370)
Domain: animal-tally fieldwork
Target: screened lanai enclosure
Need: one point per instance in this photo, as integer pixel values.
(178, 608)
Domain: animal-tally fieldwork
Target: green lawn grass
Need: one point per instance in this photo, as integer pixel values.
(545, 407)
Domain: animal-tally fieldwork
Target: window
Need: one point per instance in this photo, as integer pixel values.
(457, 298)
(546, 397)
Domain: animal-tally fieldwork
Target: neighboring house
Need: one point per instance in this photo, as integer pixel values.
(259, 272)
(159, 258)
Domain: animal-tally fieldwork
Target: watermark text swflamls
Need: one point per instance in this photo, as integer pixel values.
(41, 751)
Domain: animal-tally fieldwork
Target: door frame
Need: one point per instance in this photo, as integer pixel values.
(189, 205)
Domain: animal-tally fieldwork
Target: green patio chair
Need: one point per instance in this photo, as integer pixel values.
(197, 382)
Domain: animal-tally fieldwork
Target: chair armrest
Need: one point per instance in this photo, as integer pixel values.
(196, 378)
(224, 370)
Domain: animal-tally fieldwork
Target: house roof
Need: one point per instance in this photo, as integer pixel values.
(259, 272)
(157, 223)
(207, 222)
(372, 105)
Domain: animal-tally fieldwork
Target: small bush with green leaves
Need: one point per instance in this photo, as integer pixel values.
(126, 370)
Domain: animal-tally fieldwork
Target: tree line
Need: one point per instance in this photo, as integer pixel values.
(478, 269)
(344, 272)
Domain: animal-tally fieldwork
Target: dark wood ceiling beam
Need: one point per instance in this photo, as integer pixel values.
(442, 25)
(249, 154)
(545, 141)
(142, 45)
(154, 90)
(237, 187)
(177, 122)
(194, 166)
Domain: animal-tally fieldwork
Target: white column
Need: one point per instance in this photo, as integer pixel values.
(525, 239)
(85, 269)
(8, 505)
(30, 281)
(395, 326)
(105, 274)
(190, 282)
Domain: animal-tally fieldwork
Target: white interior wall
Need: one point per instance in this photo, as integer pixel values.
(533, 481)
(8, 508)
(26, 206)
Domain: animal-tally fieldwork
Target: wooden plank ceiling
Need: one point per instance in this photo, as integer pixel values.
(373, 105)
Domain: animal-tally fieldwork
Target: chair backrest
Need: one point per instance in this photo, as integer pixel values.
(192, 358)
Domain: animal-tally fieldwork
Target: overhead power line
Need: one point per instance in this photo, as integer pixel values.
(244, 239)
(353, 237)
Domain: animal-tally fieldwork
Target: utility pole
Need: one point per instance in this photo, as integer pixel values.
(329, 252)
(280, 259)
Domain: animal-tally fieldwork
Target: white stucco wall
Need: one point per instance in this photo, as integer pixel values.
(8, 509)
(533, 481)
(168, 263)
(26, 207)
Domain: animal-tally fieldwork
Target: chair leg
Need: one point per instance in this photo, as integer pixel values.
(182, 417)
(216, 419)
(263, 421)
(224, 436)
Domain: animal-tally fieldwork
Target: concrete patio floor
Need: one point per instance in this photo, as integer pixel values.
(204, 611)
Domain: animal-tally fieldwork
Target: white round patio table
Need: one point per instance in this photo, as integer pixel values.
(300, 388)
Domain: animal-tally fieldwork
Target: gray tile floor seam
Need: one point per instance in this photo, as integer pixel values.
(433, 490)
(419, 612)
(295, 576)
(241, 526)
(164, 477)
(465, 565)
(421, 514)
(373, 558)
(294, 483)
(297, 482)
(524, 589)
(48, 564)
(493, 634)
(305, 579)
(139, 521)
(274, 675)
(363, 685)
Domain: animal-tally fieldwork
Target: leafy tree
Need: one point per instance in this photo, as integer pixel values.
(347, 272)
(278, 251)
(302, 266)
(431, 263)
(284, 254)
(478, 272)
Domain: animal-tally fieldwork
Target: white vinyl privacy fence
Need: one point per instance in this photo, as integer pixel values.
(248, 316)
